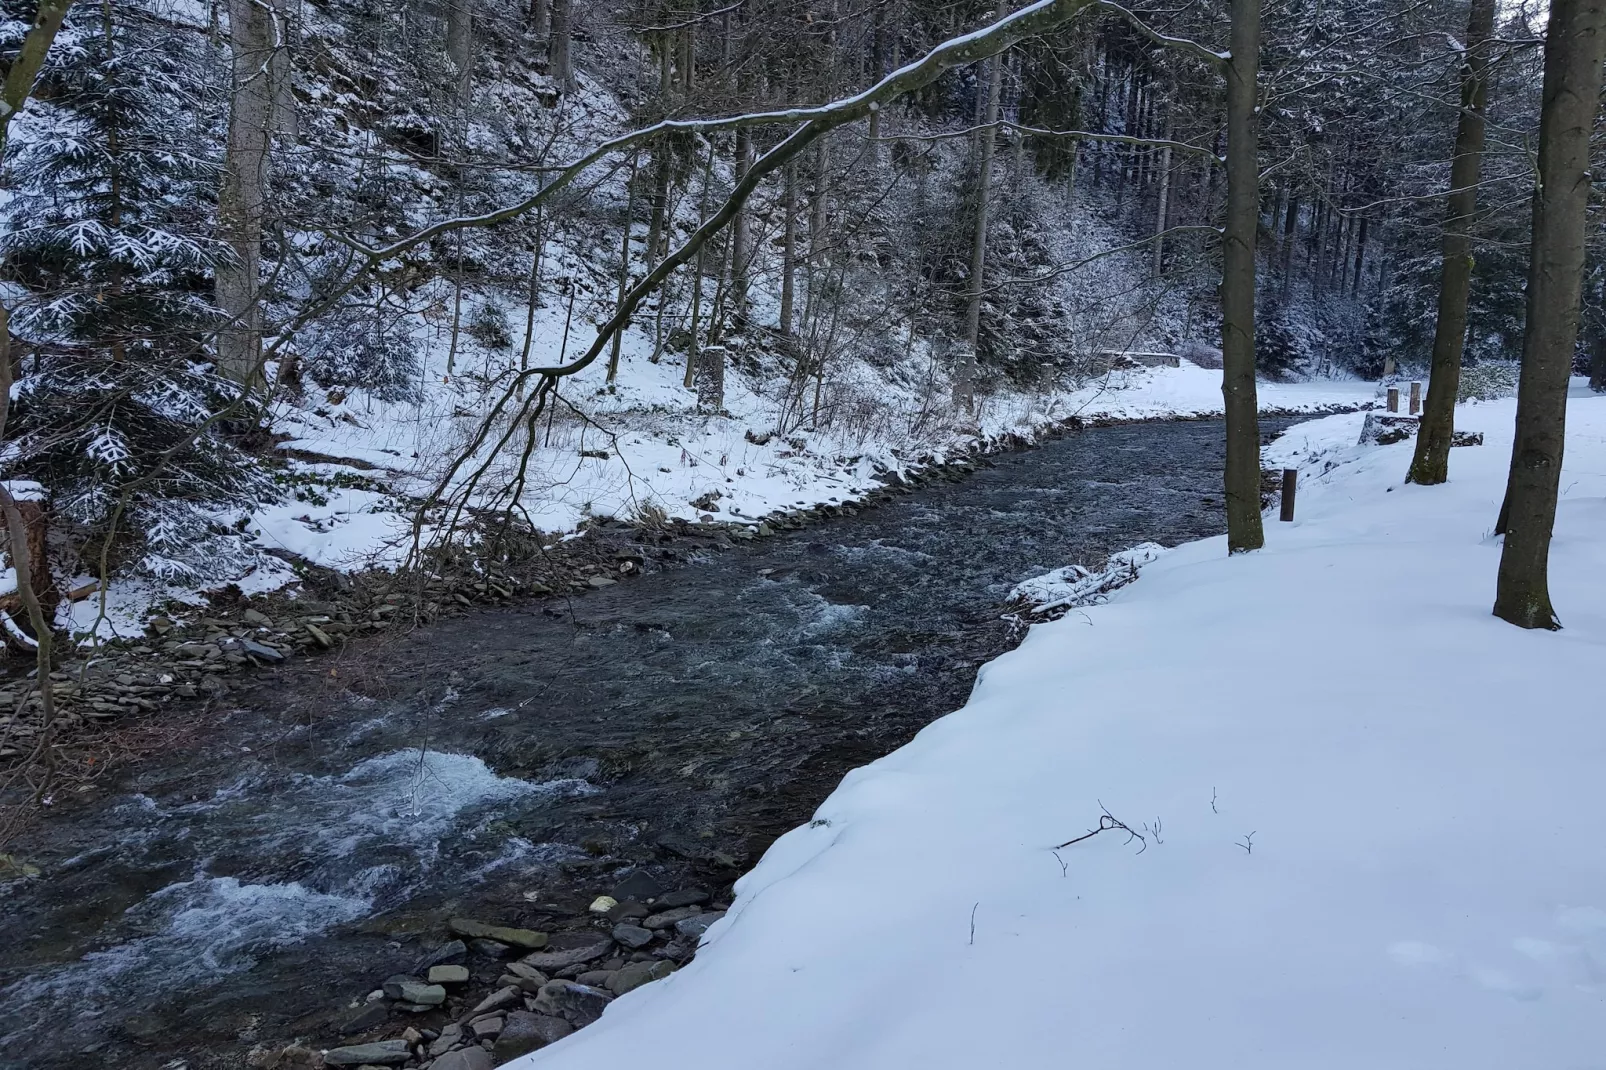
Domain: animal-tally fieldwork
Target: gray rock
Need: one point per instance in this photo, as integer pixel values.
(252, 616)
(632, 936)
(637, 974)
(570, 949)
(667, 918)
(639, 885)
(527, 973)
(491, 949)
(464, 1059)
(420, 994)
(578, 1004)
(449, 953)
(595, 978)
(627, 912)
(451, 1036)
(260, 650)
(488, 1026)
(448, 975)
(371, 1015)
(501, 999)
(526, 1032)
(686, 897)
(695, 927)
(381, 1053)
(502, 934)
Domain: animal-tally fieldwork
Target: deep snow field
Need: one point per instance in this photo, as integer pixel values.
(1370, 815)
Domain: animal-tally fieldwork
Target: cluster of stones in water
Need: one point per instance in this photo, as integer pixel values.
(560, 982)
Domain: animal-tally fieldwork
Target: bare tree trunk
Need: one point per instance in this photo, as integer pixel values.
(1165, 197)
(624, 265)
(1360, 258)
(1431, 464)
(965, 374)
(699, 271)
(540, 18)
(460, 45)
(741, 230)
(1244, 530)
(1575, 47)
(285, 123)
(243, 195)
(559, 64)
(789, 250)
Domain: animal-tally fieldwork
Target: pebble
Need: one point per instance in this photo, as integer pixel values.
(602, 904)
(632, 936)
(488, 1026)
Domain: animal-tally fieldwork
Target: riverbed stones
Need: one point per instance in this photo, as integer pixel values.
(502, 998)
(465, 1059)
(639, 886)
(526, 1032)
(668, 918)
(371, 1015)
(448, 975)
(502, 934)
(487, 1026)
(261, 651)
(526, 972)
(602, 904)
(627, 912)
(449, 953)
(695, 927)
(633, 976)
(416, 993)
(578, 1004)
(570, 949)
(632, 936)
(451, 1036)
(685, 897)
(379, 1053)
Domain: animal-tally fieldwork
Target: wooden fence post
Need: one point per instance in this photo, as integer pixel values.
(1416, 399)
(1290, 485)
(1394, 399)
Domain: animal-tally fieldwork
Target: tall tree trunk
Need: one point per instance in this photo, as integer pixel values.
(243, 195)
(1244, 530)
(965, 377)
(460, 45)
(1165, 197)
(1360, 257)
(624, 265)
(559, 64)
(1575, 47)
(741, 229)
(1431, 464)
(540, 18)
(699, 271)
(789, 249)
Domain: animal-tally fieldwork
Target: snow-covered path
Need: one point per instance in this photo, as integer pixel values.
(1373, 816)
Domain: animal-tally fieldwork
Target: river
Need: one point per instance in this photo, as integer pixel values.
(508, 763)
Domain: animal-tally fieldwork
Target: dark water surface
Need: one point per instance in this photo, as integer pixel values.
(248, 889)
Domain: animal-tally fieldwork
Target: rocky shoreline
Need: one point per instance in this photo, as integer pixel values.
(484, 993)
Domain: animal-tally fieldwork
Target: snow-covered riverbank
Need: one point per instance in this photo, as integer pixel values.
(1367, 810)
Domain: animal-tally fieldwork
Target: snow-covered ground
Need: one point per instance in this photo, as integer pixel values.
(1371, 817)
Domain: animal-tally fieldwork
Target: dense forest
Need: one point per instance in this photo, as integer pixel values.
(224, 220)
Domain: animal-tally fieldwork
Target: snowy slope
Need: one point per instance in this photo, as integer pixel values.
(1372, 810)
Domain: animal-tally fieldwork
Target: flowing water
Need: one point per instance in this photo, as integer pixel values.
(507, 763)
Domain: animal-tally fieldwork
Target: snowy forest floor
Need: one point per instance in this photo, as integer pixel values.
(1360, 810)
